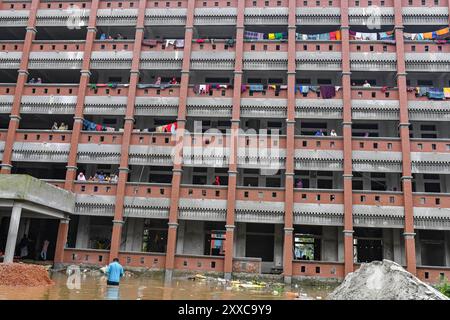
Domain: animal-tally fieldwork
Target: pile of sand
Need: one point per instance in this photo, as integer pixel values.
(384, 280)
(20, 274)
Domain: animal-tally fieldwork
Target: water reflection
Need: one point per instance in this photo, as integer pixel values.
(112, 293)
(93, 287)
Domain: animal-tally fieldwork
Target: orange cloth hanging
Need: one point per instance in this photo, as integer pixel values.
(443, 31)
(428, 35)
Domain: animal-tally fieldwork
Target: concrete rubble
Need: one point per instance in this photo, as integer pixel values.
(384, 280)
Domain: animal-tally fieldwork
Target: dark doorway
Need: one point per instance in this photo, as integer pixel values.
(369, 250)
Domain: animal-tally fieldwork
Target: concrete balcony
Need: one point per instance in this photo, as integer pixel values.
(147, 200)
(430, 156)
(203, 203)
(427, 62)
(430, 15)
(6, 97)
(56, 60)
(41, 146)
(10, 60)
(373, 61)
(161, 60)
(49, 99)
(117, 17)
(421, 109)
(324, 207)
(378, 209)
(318, 15)
(371, 15)
(329, 61)
(266, 15)
(431, 211)
(14, 18)
(165, 17)
(265, 61)
(373, 103)
(215, 16)
(212, 60)
(63, 17)
(260, 205)
(111, 59)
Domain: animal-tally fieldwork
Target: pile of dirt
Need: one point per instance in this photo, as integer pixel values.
(21, 274)
(384, 280)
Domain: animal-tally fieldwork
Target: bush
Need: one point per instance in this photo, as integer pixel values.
(444, 287)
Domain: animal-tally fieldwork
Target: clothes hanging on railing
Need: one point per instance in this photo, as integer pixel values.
(179, 43)
(92, 126)
(436, 94)
(441, 34)
(152, 85)
(327, 92)
(251, 35)
(171, 127)
(150, 42)
(256, 87)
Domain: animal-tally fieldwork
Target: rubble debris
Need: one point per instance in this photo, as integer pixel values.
(21, 274)
(384, 280)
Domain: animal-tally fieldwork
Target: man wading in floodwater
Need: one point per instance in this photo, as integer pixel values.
(114, 272)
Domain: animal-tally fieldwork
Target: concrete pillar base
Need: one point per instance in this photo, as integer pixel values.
(287, 279)
(227, 275)
(58, 266)
(168, 276)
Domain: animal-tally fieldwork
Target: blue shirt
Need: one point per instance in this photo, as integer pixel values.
(114, 272)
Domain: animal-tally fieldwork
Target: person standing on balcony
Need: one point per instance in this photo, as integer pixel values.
(114, 271)
(366, 84)
(81, 177)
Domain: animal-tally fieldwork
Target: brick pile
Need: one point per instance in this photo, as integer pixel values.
(20, 274)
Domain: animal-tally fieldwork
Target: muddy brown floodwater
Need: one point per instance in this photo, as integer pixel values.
(151, 288)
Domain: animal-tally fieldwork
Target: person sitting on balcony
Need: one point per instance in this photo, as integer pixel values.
(39, 80)
(114, 178)
(174, 81)
(366, 134)
(103, 36)
(158, 81)
(110, 38)
(333, 133)
(366, 84)
(62, 126)
(299, 184)
(217, 181)
(55, 126)
(319, 133)
(101, 177)
(81, 177)
(119, 36)
(32, 80)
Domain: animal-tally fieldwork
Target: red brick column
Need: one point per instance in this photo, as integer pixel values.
(77, 127)
(290, 146)
(21, 80)
(347, 139)
(128, 130)
(409, 234)
(178, 150)
(235, 120)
